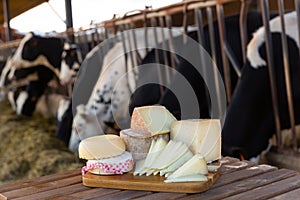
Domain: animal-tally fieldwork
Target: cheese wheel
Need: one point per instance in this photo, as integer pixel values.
(100, 147)
(110, 166)
(202, 136)
(151, 120)
(137, 144)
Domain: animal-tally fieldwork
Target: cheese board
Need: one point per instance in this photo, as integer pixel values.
(148, 183)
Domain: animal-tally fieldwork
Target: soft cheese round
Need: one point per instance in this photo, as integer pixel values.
(110, 166)
(100, 147)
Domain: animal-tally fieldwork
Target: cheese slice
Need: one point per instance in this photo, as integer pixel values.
(155, 150)
(178, 163)
(139, 165)
(189, 178)
(196, 165)
(170, 155)
(201, 136)
(151, 120)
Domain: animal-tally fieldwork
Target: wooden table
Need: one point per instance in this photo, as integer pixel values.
(238, 180)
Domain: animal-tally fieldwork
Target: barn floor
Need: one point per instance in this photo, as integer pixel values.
(28, 147)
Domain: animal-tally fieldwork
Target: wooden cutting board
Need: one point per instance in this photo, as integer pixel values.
(150, 183)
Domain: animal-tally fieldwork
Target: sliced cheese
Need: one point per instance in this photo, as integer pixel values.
(189, 178)
(170, 155)
(196, 165)
(139, 165)
(137, 144)
(201, 136)
(155, 150)
(178, 163)
(151, 120)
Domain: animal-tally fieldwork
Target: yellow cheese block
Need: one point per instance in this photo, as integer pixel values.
(151, 120)
(201, 136)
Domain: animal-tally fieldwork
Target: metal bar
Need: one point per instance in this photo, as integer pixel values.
(201, 41)
(199, 23)
(243, 27)
(268, 40)
(164, 46)
(222, 34)
(287, 74)
(297, 7)
(6, 12)
(129, 45)
(214, 56)
(121, 28)
(154, 25)
(174, 59)
(232, 59)
(138, 56)
(69, 18)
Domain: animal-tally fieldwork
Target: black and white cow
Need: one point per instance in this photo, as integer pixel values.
(91, 119)
(150, 94)
(249, 122)
(47, 51)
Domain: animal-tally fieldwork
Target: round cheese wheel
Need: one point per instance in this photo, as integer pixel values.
(100, 147)
(137, 144)
(110, 166)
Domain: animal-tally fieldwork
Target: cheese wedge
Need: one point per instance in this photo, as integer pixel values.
(201, 136)
(151, 120)
(196, 165)
(178, 163)
(189, 178)
(139, 165)
(155, 150)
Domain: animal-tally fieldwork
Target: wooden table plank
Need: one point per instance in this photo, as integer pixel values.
(39, 180)
(231, 167)
(289, 195)
(42, 187)
(228, 160)
(163, 195)
(242, 174)
(244, 185)
(263, 192)
(126, 194)
(61, 191)
(87, 194)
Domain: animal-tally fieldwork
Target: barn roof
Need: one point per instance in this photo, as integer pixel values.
(16, 7)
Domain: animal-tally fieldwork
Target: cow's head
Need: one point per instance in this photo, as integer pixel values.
(70, 63)
(34, 50)
(85, 124)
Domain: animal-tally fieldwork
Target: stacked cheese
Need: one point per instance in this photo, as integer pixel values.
(106, 155)
(147, 123)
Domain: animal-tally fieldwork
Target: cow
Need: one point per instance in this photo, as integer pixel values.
(150, 94)
(37, 78)
(249, 122)
(108, 102)
(35, 50)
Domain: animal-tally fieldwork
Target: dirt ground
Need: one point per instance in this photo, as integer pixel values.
(29, 149)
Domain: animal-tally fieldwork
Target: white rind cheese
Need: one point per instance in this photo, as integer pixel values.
(151, 120)
(137, 144)
(196, 165)
(201, 136)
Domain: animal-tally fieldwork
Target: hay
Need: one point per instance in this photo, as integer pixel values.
(29, 149)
